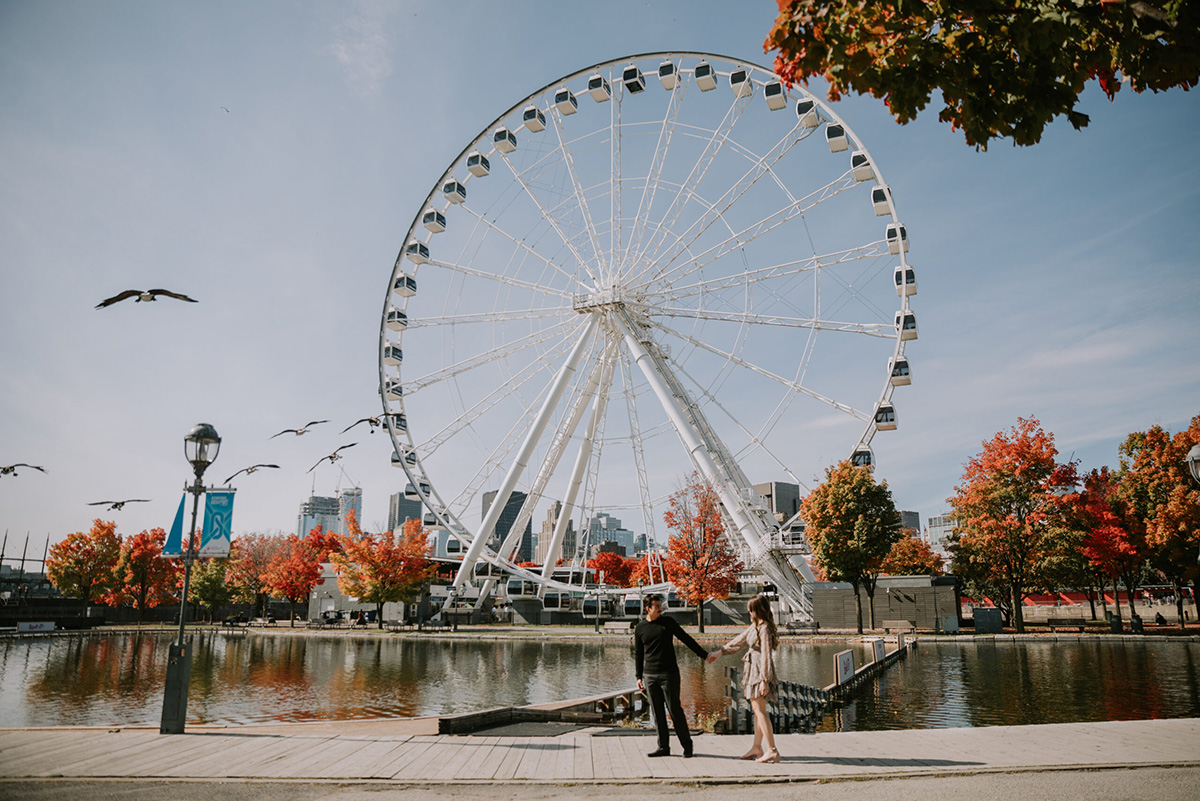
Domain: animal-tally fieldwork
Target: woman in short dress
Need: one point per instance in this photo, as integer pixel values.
(758, 677)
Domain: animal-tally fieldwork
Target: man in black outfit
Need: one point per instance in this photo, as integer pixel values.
(658, 672)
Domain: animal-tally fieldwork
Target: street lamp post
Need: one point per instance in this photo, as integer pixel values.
(937, 615)
(200, 446)
(454, 608)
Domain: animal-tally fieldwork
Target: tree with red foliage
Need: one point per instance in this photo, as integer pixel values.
(383, 568)
(1157, 490)
(1002, 69)
(1007, 509)
(1113, 543)
(144, 577)
(250, 556)
(295, 570)
(84, 566)
(616, 568)
(912, 556)
(699, 561)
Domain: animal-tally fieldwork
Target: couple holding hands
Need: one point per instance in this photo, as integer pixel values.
(658, 673)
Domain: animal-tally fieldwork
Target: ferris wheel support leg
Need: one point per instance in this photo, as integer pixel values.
(488, 525)
(699, 454)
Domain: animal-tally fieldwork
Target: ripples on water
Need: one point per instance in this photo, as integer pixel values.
(118, 680)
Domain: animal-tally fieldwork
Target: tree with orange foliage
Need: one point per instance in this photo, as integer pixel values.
(383, 568)
(912, 556)
(84, 566)
(1114, 542)
(699, 561)
(296, 569)
(851, 523)
(616, 568)
(1007, 508)
(250, 556)
(1157, 488)
(143, 576)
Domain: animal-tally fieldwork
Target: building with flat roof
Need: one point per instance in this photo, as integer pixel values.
(318, 511)
(350, 500)
(401, 510)
(504, 524)
(911, 520)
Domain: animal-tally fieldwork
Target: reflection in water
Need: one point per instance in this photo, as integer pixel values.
(254, 678)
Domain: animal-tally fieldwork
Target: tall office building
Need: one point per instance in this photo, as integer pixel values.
(401, 510)
(566, 548)
(911, 520)
(349, 501)
(318, 511)
(783, 499)
(604, 528)
(524, 551)
(940, 529)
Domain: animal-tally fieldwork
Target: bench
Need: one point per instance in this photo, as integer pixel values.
(904, 625)
(795, 627)
(1056, 623)
(618, 625)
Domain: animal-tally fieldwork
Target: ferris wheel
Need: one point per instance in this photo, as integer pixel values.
(659, 265)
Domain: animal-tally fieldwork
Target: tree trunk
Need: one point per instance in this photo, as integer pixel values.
(292, 614)
(700, 615)
(1018, 612)
(871, 605)
(1091, 602)
(379, 616)
(1130, 584)
(1117, 596)
(858, 603)
(1103, 600)
(1177, 590)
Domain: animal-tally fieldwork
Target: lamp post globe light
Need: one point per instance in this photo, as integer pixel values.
(200, 446)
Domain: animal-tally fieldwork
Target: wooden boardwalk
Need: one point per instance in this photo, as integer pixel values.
(383, 751)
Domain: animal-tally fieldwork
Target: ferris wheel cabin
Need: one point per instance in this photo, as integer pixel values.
(907, 323)
(668, 75)
(478, 164)
(806, 111)
(394, 390)
(418, 253)
(534, 119)
(398, 422)
(565, 102)
(396, 320)
(885, 417)
(740, 83)
(454, 191)
(835, 137)
(863, 171)
(635, 82)
(880, 196)
(406, 285)
(434, 221)
(411, 494)
(906, 280)
(504, 140)
(901, 374)
(897, 238)
(862, 457)
(393, 355)
(706, 78)
(409, 458)
(774, 94)
(598, 88)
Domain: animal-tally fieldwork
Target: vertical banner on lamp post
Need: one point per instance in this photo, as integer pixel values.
(173, 549)
(218, 523)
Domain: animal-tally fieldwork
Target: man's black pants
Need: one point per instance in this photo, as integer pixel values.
(664, 695)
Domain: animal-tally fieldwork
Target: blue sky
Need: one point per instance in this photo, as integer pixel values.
(1058, 281)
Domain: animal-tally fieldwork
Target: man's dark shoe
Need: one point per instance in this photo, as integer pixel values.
(659, 752)
(687, 754)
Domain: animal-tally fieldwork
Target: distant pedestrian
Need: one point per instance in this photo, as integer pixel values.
(658, 672)
(759, 682)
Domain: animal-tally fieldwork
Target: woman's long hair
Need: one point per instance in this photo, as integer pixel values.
(760, 607)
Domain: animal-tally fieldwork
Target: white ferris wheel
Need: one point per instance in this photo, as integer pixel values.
(656, 265)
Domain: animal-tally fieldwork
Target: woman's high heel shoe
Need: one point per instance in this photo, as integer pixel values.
(770, 756)
(751, 755)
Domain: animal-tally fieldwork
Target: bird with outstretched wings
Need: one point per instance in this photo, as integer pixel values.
(372, 422)
(333, 457)
(298, 431)
(143, 296)
(249, 470)
(12, 468)
(116, 506)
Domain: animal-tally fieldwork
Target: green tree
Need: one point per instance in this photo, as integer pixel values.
(851, 525)
(209, 588)
(1005, 68)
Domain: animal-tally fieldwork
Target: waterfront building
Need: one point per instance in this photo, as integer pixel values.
(349, 501)
(504, 524)
(911, 520)
(401, 510)
(318, 511)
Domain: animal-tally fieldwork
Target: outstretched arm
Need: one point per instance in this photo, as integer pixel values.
(687, 640)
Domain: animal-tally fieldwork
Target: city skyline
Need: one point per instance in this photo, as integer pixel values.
(1057, 281)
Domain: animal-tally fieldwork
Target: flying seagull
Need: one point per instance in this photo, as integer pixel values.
(373, 422)
(224, 109)
(249, 470)
(116, 506)
(143, 296)
(12, 468)
(333, 457)
(298, 431)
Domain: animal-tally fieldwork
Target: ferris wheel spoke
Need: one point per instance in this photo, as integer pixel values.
(650, 189)
(520, 243)
(488, 317)
(885, 330)
(754, 368)
(550, 218)
(580, 195)
(779, 271)
(636, 442)
(752, 232)
(500, 279)
(614, 182)
(501, 352)
(712, 148)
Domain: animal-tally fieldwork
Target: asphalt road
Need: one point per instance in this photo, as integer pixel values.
(1133, 784)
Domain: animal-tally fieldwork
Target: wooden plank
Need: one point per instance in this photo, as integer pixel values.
(581, 760)
(232, 753)
(18, 743)
(530, 757)
(106, 757)
(362, 762)
(418, 763)
(333, 750)
(490, 763)
(563, 760)
(401, 757)
(601, 758)
(471, 769)
(67, 749)
(452, 754)
(515, 748)
(279, 762)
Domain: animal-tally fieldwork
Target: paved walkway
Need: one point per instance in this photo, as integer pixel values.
(385, 751)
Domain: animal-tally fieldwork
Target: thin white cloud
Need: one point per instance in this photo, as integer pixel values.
(361, 48)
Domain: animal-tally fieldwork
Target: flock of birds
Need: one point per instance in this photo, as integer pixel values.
(115, 506)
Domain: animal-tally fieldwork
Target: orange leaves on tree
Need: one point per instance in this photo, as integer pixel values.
(143, 577)
(83, 565)
(249, 557)
(383, 568)
(294, 571)
(616, 568)
(912, 556)
(699, 560)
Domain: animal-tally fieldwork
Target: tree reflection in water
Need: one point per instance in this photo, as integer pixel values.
(262, 677)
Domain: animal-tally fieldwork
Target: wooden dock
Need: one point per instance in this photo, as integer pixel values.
(398, 751)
